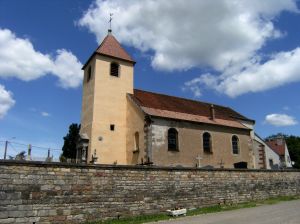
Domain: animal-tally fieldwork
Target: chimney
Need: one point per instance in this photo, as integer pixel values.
(212, 112)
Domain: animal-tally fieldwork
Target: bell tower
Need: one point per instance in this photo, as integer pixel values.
(108, 78)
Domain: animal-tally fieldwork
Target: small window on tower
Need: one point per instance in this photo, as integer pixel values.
(89, 74)
(114, 69)
(112, 127)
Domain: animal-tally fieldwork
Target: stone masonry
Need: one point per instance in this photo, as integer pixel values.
(35, 192)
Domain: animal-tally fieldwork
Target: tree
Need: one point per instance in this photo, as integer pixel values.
(293, 144)
(70, 140)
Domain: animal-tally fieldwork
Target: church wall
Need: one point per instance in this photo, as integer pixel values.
(110, 106)
(191, 146)
(88, 102)
(135, 124)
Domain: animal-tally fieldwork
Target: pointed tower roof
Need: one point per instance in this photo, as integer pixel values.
(112, 48)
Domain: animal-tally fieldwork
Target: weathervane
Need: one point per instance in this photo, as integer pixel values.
(110, 19)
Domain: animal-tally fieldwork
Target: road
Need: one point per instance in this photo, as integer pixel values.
(281, 213)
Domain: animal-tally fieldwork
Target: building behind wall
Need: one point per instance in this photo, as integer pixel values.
(265, 156)
(279, 145)
(128, 126)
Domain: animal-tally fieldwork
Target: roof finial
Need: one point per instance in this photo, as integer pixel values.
(110, 19)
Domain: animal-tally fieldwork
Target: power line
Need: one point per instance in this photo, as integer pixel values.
(18, 143)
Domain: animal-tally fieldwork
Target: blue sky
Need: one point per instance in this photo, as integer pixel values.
(242, 56)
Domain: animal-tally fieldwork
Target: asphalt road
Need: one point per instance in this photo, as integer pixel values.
(281, 213)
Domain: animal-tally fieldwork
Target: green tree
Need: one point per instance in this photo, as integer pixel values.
(70, 140)
(293, 144)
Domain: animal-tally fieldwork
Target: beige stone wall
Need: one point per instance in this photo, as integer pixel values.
(109, 108)
(61, 193)
(87, 110)
(190, 145)
(136, 148)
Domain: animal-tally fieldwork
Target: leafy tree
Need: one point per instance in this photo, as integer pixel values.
(70, 140)
(293, 144)
(21, 156)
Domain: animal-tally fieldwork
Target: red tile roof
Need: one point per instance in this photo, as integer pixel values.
(278, 148)
(112, 48)
(184, 109)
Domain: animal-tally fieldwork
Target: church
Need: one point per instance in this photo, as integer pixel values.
(126, 126)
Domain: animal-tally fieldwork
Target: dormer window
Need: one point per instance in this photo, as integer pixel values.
(89, 74)
(114, 69)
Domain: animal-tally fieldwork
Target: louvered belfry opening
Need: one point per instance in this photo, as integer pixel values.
(114, 69)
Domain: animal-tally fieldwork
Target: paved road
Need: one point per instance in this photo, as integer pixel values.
(281, 213)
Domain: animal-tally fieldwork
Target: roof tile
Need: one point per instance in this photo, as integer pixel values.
(185, 109)
(111, 47)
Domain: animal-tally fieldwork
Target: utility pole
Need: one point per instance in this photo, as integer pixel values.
(29, 152)
(5, 149)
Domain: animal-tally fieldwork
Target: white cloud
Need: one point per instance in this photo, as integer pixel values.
(19, 59)
(6, 101)
(186, 34)
(281, 69)
(224, 36)
(280, 120)
(45, 114)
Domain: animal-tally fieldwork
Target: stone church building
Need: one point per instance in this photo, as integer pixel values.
(123, 125)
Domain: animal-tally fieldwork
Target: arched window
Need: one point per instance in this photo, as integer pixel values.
(89, 74)
(114, 69)
(136, 141)
(207, 142)
(172, 139)
(235, 144)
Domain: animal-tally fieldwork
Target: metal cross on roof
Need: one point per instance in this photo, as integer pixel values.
(110, 19)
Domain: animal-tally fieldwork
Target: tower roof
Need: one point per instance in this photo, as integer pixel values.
(112, 48)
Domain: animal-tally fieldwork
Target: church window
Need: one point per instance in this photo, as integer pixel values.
(235, 144)
(207, 143)
(112, 127)
(136, 142)
(114, 69)
(89, 74)
(172, 139)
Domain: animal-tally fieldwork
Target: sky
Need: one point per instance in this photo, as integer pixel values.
(240, 54)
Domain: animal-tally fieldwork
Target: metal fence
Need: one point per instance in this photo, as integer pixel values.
(11, 150)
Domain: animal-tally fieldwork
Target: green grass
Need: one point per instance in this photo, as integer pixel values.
(199, 211)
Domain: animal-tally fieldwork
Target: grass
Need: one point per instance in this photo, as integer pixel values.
(204, 210)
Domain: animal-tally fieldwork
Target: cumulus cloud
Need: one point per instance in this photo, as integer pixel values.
(281, 69)
(19, 59)
(280, 120)
(6, 101)
(224, 36)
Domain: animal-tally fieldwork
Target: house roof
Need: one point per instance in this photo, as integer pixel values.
(112, 48)
(165, 106)
(278, 148)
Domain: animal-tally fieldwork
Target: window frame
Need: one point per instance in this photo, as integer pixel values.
(237, 150)
(205, 149)
(118, 70)
(173, 146)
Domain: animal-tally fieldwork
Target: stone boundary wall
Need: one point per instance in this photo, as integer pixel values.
(37, 192)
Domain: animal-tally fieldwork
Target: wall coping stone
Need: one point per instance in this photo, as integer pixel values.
(130, 167)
